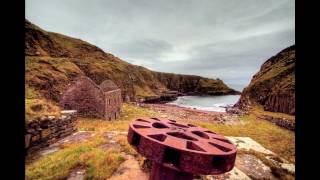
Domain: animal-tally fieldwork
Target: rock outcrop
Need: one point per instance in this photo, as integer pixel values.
(54, 60)
(273, 86)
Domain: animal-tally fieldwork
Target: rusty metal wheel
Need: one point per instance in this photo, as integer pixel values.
(182, 147)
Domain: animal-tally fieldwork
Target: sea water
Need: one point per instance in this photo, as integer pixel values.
(207, 103)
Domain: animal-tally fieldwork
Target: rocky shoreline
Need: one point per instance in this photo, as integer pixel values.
(182, 113)
(229, 117)
(168, 96)
(163, 98)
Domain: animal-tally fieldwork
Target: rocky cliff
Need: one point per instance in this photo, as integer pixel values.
(273, 86)
(54, 60)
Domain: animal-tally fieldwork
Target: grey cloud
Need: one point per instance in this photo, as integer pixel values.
(249, 52)
(212, 38)
(142, 48)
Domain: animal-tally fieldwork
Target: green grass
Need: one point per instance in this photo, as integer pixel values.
(129, 112)
(258, 111)
(100, 164)
(277, 139)
(39, 107)
(31, 93)
(144, 91)
(274, 70)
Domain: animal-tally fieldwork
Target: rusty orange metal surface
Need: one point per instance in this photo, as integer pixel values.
(184, 148)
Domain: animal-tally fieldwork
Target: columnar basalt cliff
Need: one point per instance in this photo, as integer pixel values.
(54, 60)
(273, 86)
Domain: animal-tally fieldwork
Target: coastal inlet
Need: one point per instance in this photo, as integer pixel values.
(206, 103)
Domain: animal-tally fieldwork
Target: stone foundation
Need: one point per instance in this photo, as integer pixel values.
(44, 131)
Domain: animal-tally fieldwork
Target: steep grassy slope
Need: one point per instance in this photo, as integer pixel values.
(54, 60)
(273, 87)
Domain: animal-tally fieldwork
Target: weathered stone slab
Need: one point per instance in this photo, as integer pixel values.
(110, 134)
(289, 167)
(234, 174)
(77, 174)
(110, 145)
(129, 170)
(283, 164)
(49, 150)
(253, 167)
(68, 112)
(77, 137)
(246, 143)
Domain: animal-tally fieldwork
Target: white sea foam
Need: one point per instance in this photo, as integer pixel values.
(206, 103)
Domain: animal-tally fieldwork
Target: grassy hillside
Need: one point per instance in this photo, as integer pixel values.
(53, 61)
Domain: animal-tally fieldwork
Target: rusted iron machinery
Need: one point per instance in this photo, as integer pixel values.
(180, 150)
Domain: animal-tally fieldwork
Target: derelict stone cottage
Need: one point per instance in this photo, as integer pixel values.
(91, 100)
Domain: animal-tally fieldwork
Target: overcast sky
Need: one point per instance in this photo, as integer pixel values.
(226, 39)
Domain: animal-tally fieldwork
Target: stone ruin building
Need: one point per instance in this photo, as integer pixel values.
(90, 100)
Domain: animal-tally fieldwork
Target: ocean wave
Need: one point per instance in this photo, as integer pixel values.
(216, 104)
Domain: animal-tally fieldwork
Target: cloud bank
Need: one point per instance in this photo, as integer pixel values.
(212, 38)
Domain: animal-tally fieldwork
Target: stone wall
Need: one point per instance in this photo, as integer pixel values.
(113, 103)
(47, 130)
(290, 125)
